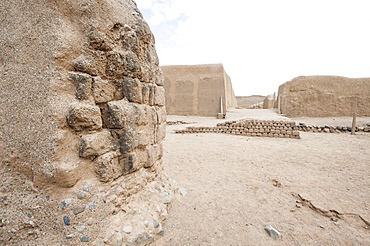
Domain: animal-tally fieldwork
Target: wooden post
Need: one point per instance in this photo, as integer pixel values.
(353, 130)
(222, 108)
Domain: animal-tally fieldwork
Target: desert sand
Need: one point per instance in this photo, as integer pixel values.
(314, 190)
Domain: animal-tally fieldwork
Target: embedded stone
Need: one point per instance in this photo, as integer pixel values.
(151, 94)
(84, 116)
(78, 209)
(145, 93)
(107, 167)
(154, 154)
(121, 113)
(83, 86)
(159, 96)
(99, 41)
(160, 133)
(85, 64)
(103, 90)
(132, 90)
(96, 144)
(161, 115)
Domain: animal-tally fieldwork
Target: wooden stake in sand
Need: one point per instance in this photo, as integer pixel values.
(353, 130)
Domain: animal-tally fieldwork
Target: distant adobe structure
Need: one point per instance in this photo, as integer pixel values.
(82, 120)
(197, 90)
(324, 96)
(247, 101)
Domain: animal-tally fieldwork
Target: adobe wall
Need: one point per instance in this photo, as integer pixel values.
(197, 89)
(324, 96)
(82, 122)
(247, 101)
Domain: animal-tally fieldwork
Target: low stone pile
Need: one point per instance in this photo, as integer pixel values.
(250, 127)
(329, 129)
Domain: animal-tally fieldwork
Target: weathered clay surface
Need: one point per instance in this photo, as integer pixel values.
(322, 96)
(82, 119)
(196, 90)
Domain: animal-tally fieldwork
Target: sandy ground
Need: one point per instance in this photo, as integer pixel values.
(314, 190)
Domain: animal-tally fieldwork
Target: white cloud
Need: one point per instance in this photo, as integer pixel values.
(263, 43)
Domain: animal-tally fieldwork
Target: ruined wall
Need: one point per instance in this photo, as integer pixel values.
(247, 101)
(321, 96)
(269, 102)
(197, 89)
(82, 122)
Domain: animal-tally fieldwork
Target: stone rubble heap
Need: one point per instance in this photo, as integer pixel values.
(249, 127)
(329, 129)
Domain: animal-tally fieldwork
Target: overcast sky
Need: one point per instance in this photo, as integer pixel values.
(263, 43)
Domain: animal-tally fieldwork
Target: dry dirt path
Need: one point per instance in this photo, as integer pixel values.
(314, 191)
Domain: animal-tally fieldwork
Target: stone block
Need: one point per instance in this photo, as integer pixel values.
(132, 90)
(145, 88)
(151, 94)
(103, 90)
(159, 77)
(121, 114)
(84, 116)
(131, 64)
(129, 163)
(83, 83)
(96, 144)
(85, 64)
(160, 133)
(107, 167)
(128, 141)
(99, 41)
(161, 115)
(160, 96)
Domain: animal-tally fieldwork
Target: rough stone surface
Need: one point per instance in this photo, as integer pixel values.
(81, 102)
(325, 96)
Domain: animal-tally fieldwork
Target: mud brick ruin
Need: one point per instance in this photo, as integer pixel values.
(324, 96)
(82, 124)
(249, 127)
(198, 90)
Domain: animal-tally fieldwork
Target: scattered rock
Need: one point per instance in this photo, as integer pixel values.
(66, 220)
(155, 223)
(86, 187)
(183, 191)
(272, 232)
(127, 229)
(146, 223)
(66, 203)
(167, 197)
(89, 222)
(78, 209)
(80, 228)
(84, 238)
(70, 236)
(91, 206)
(81, 195)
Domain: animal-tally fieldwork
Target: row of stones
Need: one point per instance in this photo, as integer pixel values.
(330, 129)
(259, 128)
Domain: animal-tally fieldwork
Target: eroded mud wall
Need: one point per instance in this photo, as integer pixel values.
(197, 89)
(82, 124)
(322, 96)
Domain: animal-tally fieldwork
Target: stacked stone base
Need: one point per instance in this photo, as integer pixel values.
(248, 127)
(329, 129)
